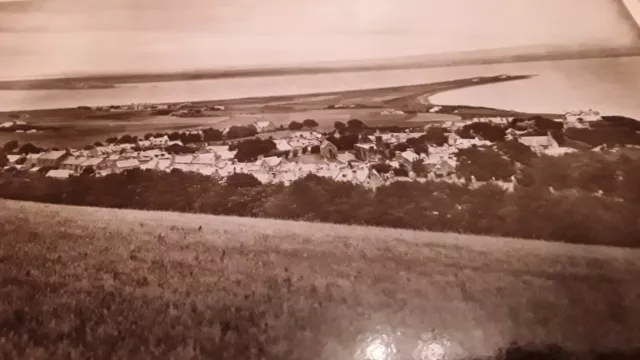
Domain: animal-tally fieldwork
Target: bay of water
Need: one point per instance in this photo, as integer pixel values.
(609, 85)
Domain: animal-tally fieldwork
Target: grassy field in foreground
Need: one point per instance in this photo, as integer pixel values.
(102, 283)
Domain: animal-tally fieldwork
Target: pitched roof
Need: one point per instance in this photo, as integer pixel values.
(53, 155)
(92, 161)
(206, 159)
(227, 155)
(74, 161)
(127, 163)
(410, 155)
(346, 157)
(183, 159)
(282, 145)
(13, 158)
(535, 141)
(272, 161)
(59, 174)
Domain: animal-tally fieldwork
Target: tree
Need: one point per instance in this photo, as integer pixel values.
(126, 139)
(97, 143)
(294, 125)
(174, 136)
(381, 168)
(241, 180)
(111, 140)
(148, 136)
(237, 132)
(250, 149)
(179, 149)
(339, 125)
(10, 146)
(3, 159)
(418, 167)
(544, 125)
(401, 147)
(88, 171)
(486, 131)
(315, 149)
(435, 135)
(355, 124)
(516, 151)
(400, 172)
(87, 147)
(212, 135)
(310, 123)
(484, 164)
(29, 148)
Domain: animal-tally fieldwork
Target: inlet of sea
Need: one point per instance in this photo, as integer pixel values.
(609, 85)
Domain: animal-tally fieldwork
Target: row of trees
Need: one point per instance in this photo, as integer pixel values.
(308, 123)
(574, 212)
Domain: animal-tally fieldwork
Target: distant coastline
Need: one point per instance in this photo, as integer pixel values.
(484, 57)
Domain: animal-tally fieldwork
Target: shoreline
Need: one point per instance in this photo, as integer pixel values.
(423, 90)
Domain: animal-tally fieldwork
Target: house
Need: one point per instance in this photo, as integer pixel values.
(365, 152)
(582, 116)
(217, 148)
(175, 142)
(283, 145)
(226, 155)
(328, 150)
(363, 176)
(539, 143)
(72, 163)
(59, 174)
(265, 126)
(13, 159)
(263, 177)
(160, 141)
(205, 159)
(123, 165)
(346, 158)
(442, 168)
(285, 177)
(52, 158)
(183, 159)
(271, 163)
(407, 158)
(93, 163)
(559, 151)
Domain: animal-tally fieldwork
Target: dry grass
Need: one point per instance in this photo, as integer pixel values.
(100, 283)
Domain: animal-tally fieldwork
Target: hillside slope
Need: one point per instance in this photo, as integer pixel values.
(133, 284)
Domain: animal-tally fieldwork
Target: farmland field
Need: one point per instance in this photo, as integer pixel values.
(106, 283)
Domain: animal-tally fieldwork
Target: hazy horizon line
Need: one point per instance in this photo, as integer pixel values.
(434, 60)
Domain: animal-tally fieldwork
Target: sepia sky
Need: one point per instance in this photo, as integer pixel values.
(45, 37)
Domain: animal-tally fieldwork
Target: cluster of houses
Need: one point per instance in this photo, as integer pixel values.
(219, 161)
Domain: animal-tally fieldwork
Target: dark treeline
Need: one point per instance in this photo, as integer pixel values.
(588, 199)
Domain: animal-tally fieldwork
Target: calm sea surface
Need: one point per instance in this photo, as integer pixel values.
(608, 85)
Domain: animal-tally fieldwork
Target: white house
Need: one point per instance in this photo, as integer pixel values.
(265, 126)
(539, 143)
(283, 145)
(582, 116)
(122, 165)
(59, 174)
